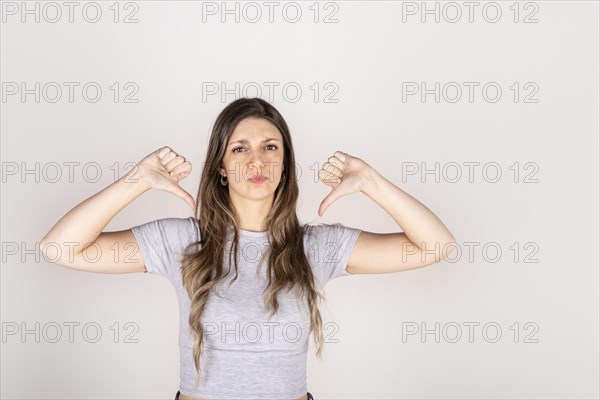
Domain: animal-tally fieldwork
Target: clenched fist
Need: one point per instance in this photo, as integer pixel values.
(163, 169)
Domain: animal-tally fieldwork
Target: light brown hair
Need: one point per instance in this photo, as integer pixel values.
(288, 267)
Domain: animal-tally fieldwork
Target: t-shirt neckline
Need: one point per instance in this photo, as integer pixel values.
(251, 234)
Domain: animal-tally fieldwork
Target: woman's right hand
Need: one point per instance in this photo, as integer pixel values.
(163, 169)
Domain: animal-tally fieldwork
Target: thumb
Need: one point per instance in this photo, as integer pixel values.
(179, 192)
(327, 201)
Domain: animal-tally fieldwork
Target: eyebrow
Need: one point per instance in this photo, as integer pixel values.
(246, 141)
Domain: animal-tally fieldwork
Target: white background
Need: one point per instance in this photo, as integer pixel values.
(547, 213)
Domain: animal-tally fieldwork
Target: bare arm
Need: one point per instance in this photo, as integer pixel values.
(82, 227)
(425, 240)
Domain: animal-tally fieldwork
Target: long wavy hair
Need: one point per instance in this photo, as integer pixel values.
(287, 264)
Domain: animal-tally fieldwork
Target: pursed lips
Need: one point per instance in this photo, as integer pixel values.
(257, 178)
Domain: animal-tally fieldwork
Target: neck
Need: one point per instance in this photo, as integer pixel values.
(252, 214)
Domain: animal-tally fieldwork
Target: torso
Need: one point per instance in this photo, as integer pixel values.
(184, 397)
(233, 307)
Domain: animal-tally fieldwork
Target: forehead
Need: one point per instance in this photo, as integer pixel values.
(255, 128)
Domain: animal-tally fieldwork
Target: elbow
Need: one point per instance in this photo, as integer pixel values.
(42, 243)
(448, 247)
(45, 243)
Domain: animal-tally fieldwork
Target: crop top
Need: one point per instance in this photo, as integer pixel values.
(245, 354)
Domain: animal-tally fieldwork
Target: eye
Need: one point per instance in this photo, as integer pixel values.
(269, 145)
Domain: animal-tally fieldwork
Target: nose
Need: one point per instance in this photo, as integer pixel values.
(255, 166)
(256, 161)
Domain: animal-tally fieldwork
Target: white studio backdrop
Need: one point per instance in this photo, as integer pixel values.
(487, 112)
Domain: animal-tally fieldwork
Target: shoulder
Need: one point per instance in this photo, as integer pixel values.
(322, 230)
(328, 248)
(170, 230)
(334, 237)
(162, 243)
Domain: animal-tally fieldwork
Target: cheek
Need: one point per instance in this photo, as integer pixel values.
(277, 160)
(229, 160)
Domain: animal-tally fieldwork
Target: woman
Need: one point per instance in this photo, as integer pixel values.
(246, 216)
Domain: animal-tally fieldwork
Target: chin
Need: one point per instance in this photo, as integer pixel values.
(256, 193)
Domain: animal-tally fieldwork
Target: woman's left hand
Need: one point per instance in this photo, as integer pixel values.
(345, 174)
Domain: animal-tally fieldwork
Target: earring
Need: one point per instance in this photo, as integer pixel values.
(283, 175)
(223, 182)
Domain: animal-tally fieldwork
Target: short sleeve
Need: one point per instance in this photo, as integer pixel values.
(328, 249)
(163, 241)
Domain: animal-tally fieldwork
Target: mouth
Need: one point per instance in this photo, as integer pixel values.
(257, 179)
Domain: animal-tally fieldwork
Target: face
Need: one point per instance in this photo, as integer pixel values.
(255, 149)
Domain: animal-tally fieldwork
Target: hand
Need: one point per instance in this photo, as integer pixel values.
(345, 174)
(163, 169)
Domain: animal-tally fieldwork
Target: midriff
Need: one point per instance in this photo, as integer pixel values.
(184, 397)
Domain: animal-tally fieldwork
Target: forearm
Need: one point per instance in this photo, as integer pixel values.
(421, 225)
(84, 223)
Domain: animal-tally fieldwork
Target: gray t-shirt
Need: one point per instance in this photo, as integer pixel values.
(246, 356)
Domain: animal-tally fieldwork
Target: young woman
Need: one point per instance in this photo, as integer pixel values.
(244, 330)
